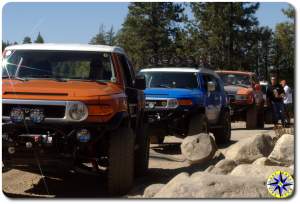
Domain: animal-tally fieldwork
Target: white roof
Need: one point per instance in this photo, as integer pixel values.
(181, 69)
(170, 69)
(67, 47)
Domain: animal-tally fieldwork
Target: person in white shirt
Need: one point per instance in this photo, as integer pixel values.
(287, 100)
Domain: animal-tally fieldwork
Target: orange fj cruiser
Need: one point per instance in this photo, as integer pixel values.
(77, 106)
(245, 97)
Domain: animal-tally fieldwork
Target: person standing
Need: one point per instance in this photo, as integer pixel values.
(275, 95)
(287, 100)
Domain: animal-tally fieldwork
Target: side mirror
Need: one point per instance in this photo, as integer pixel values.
(257, 87)
(211, 86)
(140, 82)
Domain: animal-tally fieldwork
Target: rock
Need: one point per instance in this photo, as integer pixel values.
(265, 161)
(207, 185)
(153, 189)
(249, 149)
(209, 169)
(177, 180)
(283, 152)
(198, 148)
(258, 171)
(224, 166)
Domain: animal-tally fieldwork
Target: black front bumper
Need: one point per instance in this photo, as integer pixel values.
(170, 122)
(46, 144)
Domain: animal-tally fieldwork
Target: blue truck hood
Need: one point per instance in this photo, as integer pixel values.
(172, 93)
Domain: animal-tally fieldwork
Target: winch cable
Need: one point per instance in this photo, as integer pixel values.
(41, 171)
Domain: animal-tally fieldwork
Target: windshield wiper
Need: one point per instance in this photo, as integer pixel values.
(48, 77)
(164, 86)
(87, 80)
(14, 77)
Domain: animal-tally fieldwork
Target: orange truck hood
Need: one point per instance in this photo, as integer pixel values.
(55, 90)
(238, 90)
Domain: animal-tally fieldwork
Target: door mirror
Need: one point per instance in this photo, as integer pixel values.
(211, 86)
(140, 82)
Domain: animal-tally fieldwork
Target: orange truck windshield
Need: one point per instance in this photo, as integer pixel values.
(74, 65)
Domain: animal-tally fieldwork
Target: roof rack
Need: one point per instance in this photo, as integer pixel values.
(165, 61)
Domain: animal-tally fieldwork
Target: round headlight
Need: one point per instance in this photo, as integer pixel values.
(172, 103)
(37, 115)
(78, 111)
(17, 115)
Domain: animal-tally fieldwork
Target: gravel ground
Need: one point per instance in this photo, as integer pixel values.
(17, 183)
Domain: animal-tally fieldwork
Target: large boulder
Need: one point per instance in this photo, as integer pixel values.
(265, 161)
(207, 185)
(153, 189)
(258, 171)
(198, 148)
(224, 166)
(249, 149)
(283, 152)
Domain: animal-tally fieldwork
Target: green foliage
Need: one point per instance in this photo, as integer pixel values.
(104, 37)
(39, 39)
(27, 40)
(150, 29)
(224, 32)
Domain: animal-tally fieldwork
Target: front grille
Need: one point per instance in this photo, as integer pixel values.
(50, 111)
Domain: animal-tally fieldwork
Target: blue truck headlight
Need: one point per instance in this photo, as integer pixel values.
(17, 115)
(37, 115)
(172, 103)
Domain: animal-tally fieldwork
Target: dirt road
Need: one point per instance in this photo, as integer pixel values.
(18, 183)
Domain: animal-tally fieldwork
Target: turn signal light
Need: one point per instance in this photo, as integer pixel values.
(185, 102)
(100, 110)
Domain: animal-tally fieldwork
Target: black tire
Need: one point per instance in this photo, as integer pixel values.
(197, 124)
(156, 134)
(251, 118)
(141, 161)
(222, 135)
(261, 118)
(121, 161)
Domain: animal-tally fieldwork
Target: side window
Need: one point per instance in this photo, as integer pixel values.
(214, 79)
(126, 70)
(207, 78)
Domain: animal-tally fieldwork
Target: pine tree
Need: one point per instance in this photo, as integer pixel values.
(100, 38)
(39, 39)
(150, 29)
(110, 36)
(222, 32)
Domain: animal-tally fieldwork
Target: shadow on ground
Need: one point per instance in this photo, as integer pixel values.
(76, 185)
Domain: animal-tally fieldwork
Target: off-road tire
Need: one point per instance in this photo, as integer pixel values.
(156, 135)
(251, 117)
(222, 135)
(197, 124)
(261, 118)
(141, 161)
(121, 161)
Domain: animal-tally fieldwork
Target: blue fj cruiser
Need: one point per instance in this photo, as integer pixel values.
(186, 101)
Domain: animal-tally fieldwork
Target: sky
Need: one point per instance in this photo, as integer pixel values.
(79, 22)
